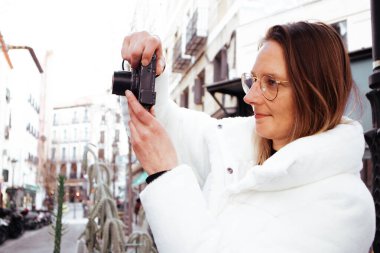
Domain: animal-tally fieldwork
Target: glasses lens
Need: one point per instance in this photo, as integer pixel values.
(269, 87)
(246, 81)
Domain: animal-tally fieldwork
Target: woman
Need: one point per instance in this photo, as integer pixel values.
(285, 180)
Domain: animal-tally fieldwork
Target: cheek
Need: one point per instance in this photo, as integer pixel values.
(284, 118)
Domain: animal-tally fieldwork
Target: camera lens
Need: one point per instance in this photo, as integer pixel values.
(121, 81)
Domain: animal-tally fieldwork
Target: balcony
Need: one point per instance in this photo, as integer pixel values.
(181, 62)
(196, 32)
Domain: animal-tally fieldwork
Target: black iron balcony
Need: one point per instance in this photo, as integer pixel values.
(196, 32)
(181, 62)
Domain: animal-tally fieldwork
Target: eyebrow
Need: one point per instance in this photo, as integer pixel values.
(265, 74)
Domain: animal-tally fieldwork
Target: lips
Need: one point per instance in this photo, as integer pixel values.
(260, 115)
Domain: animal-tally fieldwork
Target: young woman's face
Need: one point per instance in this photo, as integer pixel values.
(274, 119)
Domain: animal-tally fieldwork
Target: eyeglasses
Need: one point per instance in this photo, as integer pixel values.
(268, 85)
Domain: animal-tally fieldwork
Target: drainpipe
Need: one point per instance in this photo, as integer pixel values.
(372, 137)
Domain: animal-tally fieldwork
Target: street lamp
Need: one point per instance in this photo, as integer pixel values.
(13, 162)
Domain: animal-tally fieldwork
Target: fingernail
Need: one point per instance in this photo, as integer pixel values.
(144, 62)
(128, 93)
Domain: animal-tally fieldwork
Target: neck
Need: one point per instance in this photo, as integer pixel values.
(277, 144)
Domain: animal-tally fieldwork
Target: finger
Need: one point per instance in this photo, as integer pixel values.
(133, 47)
(152, 111)
(152, 44)
(134, 135)
(161, 63)
(125, 48)
(137, 49)
(140, 127)
(141, 114)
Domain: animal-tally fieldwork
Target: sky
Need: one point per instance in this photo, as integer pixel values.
(83, 37)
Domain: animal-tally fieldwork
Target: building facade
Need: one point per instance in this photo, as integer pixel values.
(20, 105)
(87, 121)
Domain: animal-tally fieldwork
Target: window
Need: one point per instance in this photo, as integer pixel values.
(64, 134)
(341, 28)
(86, 133)
(75, 134)
(55, 119)
(74, 152)
(101, 137)
(117, 135)
(199, 88)
(53, 154)
(184, 102)
(63, 154)
(221, 66)
(101, 154)
(75, 120)
(85, 115)
(7, 95)
(118, 118)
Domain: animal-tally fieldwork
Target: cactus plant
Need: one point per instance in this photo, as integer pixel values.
(58, 227)
(104, 230)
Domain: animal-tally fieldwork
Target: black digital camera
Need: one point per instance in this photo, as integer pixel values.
(140, 81)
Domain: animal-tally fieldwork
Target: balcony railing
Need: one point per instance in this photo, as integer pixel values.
(196, 32)
(181, 62)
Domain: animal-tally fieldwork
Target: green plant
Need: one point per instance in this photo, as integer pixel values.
(58, 227)
(104, 230)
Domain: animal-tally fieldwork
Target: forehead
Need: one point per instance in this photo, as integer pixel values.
(270, 60)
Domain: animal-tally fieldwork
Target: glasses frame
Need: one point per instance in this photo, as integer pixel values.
(255, 79)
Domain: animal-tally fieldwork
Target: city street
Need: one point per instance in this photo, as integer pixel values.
(41, 241)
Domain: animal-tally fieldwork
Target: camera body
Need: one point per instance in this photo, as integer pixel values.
(140, 81)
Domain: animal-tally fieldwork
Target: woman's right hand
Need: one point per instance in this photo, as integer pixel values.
(139, 47)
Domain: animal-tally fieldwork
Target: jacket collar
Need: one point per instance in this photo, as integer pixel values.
(308, 159)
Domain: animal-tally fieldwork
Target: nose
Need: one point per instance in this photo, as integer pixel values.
(254, 95)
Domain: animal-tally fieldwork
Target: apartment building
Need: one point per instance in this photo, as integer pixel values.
(20, 102)
(86, 121)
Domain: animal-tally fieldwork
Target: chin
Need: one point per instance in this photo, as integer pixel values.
(263, 133)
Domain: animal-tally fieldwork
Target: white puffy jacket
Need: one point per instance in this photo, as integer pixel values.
(306, 198)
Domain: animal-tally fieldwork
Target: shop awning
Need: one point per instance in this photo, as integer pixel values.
(231, 87)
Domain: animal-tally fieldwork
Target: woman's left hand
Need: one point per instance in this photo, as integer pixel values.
(150, 141)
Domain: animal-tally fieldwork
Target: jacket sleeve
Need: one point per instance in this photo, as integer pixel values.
(177, 214)
(186, 128)
(180, 221)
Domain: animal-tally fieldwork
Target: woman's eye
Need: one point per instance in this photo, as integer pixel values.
(272, 82)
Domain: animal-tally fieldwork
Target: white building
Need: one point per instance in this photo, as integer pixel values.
(5, 125)
(19, 124)
(95, 121)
